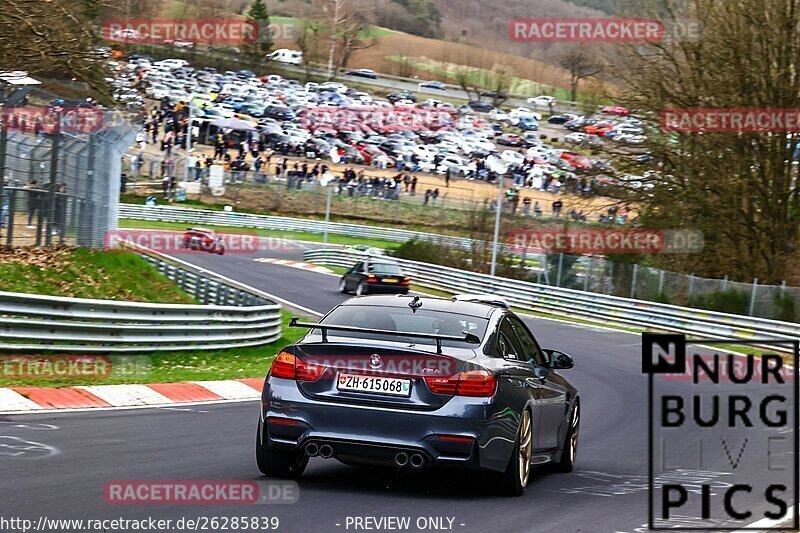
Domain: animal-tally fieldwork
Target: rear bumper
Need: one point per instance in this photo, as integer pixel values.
(375, 435)
(377, 288)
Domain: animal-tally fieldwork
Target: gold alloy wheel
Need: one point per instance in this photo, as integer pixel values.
(525, 447)
(573, 445)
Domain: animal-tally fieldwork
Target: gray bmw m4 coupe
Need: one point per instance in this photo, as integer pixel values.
(412, 383)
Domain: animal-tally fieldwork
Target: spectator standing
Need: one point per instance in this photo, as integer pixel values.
(61, 209)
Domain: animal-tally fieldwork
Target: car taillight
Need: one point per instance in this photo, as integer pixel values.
(372, 278)
(283, 366)
(406, 280)
(288, 366)
(476, 383)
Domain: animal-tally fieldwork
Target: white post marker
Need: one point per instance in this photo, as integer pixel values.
(500, 167)
(326, 180)
(188, 146)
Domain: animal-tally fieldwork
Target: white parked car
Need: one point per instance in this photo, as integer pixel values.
(510, 156)
(338, 87)
(498, 114)
(289, 57)
(126, 34)
(425, 152)
(575, 138)
(364, 98)
(171, 63)
(455, 163)
(157, 91)
(225, 110)
(521, 113)
(542, 100)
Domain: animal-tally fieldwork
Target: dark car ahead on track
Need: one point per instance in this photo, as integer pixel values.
(417, 382)
(376, 274)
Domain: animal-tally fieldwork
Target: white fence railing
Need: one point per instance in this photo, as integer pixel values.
(589, 306)
(190, 216)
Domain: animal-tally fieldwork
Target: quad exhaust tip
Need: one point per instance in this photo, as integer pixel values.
(401, 459)
(312, 449)
(326, 451)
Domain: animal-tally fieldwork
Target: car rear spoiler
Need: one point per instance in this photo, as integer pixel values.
(468, 337)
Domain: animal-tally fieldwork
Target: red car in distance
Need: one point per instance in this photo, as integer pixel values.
(616, 110)
(204, 240)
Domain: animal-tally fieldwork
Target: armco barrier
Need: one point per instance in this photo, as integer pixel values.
(590, 306)
(230, 318)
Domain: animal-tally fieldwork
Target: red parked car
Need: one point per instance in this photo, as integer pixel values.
(616, 110)
(577, 161)
(601, 128)
(370, 152)
(510, 139)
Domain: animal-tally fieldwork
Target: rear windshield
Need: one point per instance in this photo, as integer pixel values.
(404, 319)
(384, 268)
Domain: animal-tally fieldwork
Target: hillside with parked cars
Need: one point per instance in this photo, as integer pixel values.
(542, 152)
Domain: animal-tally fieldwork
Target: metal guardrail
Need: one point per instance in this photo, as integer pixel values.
(221, 218)
(230, 318)
(593, 307)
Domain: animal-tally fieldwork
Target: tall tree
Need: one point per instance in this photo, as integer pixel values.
(581, 63)
(51, 39)
(740, 189)
(342, 25)
(260, 15)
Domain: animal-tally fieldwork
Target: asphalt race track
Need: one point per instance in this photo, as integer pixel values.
(64, 477)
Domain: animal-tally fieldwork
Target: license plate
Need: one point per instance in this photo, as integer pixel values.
(389, 280)
(376, 385)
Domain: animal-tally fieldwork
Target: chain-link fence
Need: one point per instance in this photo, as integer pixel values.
(630, 280)
(60, 184)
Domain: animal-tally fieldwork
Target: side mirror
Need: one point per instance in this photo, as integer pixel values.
(559, 360)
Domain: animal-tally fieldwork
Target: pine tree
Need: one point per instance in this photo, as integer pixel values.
(258, 13)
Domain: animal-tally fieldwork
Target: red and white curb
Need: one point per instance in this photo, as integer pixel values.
(35, 399)
(295, 264)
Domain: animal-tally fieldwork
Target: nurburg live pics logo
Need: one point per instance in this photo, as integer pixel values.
(738, 427)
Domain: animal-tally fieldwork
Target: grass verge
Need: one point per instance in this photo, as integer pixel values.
(193, 365)
(294, 235)
(83, 273)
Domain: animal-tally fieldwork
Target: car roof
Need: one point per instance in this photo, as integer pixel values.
(469, 308)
